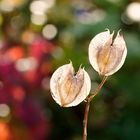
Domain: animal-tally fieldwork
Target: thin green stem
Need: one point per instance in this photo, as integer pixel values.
(89, 99)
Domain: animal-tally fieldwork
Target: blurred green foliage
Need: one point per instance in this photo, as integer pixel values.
(114, 114)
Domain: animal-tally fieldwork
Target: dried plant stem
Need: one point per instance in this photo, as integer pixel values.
(89, 99)
(85, 121)
(91, 96)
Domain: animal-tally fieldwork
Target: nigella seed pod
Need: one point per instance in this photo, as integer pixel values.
(67, 88)
(107, 55)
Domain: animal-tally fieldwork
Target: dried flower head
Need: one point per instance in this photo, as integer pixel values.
(67, 88)
(107, 55)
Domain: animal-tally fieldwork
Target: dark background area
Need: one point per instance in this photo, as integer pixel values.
(36, 37)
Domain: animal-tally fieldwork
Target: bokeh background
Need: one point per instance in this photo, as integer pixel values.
(36, 37)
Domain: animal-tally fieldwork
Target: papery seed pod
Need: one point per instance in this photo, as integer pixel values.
(67, 88)
(107, 55)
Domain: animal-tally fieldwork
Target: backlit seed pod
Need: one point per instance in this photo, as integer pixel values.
(107, 55)
(67, 88)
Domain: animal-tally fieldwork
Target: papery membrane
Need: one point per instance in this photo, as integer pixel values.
(105, 55)
(68, 89)
(95, 45)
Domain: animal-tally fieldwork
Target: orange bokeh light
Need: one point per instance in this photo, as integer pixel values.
(4, 131)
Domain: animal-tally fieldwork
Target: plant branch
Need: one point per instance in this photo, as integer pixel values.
(85, 121)
(89, 99)
(97, 90)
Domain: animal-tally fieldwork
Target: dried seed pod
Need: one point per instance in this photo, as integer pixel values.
(107, 55)
(68, 89)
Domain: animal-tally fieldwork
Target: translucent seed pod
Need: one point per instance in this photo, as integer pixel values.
(107, 55)
(67, 88)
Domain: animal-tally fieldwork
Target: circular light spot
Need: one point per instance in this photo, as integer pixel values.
(49, 31)
(18, 93)
(4, 110)
(38, 7)
(38, 19)
(133, 11)
(28, 34)
(5, 133)
(6, 6)
(26, 64)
